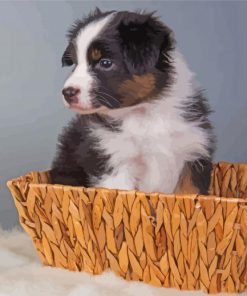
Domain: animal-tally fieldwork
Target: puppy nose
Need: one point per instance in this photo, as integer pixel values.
(70, 94)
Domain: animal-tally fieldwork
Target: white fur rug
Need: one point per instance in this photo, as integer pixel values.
(22, 274)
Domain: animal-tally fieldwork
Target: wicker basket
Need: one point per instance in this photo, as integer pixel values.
(188, 242)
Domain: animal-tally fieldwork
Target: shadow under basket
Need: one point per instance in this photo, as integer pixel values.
(189, 242)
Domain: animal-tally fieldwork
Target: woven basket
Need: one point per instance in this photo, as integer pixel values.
(189, 242)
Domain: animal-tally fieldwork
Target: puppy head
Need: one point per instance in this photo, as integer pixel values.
(119, 59)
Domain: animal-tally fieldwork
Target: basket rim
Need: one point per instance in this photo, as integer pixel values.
(27, 178)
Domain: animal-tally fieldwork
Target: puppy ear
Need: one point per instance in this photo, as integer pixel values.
(67, 58)
(144, 41)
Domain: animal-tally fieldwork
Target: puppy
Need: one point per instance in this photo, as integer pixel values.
(142, 123)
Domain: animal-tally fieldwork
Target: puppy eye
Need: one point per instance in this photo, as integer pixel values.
(105, 64)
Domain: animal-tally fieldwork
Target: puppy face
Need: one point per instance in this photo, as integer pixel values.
(119, 59)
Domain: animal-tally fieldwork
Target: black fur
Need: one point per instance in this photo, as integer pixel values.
(69, 56)
(198, 109)
(145, 42)
(201, 174)
(78, 155)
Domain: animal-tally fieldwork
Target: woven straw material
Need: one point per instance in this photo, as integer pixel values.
(184, 241)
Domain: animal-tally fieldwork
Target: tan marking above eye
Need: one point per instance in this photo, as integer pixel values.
(96, 54)
(139, 87)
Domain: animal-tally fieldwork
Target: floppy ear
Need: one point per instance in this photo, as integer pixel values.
(67, 57)
(144, 41)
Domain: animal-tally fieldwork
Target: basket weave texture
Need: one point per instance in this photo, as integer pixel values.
(189, 242)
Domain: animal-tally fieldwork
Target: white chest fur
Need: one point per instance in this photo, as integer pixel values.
(155, 141)
(150, 151)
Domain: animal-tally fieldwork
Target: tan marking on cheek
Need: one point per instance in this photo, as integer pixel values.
(96, 54)
(138, 88)
(185, 184)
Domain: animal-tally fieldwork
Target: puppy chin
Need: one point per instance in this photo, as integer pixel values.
(123, 112)
(81, 111)
(85, 110)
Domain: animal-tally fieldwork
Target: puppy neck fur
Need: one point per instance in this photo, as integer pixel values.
(155, 138)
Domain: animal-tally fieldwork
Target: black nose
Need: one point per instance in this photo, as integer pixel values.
(70, 94)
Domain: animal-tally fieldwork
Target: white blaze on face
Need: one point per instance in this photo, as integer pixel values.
(81, 77)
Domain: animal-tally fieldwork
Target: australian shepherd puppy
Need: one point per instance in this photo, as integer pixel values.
(143, 122)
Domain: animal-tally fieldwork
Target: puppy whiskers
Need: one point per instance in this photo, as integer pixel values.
(103, 100)
(110, 96)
